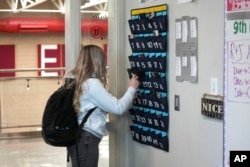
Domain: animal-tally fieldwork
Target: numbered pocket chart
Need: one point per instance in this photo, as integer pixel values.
(148, 41)
(186, 49)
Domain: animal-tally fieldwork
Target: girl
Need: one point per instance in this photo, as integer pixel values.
(90, 92)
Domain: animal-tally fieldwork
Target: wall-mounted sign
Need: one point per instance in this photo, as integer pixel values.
(212, 106)
(239, 5)
(96, 32)
(7, 57)
(51, 56)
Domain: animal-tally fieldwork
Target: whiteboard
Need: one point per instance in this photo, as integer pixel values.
(238, 72)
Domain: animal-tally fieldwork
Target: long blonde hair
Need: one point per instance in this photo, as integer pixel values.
(90, 63)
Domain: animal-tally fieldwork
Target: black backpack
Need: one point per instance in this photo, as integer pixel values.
(59, 123)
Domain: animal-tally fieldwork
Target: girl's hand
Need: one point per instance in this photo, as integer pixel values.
(134, 82)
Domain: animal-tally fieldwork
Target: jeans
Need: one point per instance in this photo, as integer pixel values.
(88, 151)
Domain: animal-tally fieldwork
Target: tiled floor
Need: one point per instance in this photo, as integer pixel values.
(33, 152)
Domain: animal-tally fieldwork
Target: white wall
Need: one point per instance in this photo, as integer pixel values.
(194, 140)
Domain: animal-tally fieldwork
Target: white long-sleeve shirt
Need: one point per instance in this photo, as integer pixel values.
(95, 95)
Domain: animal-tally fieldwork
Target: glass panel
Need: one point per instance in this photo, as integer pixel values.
(95, 31)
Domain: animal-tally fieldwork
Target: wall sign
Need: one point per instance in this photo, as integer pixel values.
(7, 57)
(51, 56)
(235, 5)
(96, 32)
(212, 106)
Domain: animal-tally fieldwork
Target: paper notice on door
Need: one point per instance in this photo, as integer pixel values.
(178, 66)
(193, 63)
(184, 31)
(193, 29)
(178, 30)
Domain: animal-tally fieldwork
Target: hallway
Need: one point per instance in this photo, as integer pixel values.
(33, 152)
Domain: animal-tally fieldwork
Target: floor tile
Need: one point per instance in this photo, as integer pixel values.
(33, 152)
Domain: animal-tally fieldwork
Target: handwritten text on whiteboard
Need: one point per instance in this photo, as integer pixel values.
(239, 70)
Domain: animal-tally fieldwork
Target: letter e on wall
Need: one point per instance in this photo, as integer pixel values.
(51, 56)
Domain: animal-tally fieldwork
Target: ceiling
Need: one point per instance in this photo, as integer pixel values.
(50, 6)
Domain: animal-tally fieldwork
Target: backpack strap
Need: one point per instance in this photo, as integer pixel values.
(85, 118)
